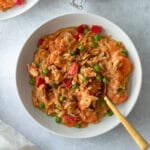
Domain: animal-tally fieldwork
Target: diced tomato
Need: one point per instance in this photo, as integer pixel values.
(40, 42)
(69, 120)
(73, 69)
(77, 36)
(81, 28)
(39, 82)
(68, 83)
(19, 2)
(96, 29)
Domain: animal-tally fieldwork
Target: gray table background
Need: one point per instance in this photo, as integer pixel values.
(133, 16)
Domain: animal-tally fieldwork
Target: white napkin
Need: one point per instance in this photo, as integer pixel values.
(10, 139)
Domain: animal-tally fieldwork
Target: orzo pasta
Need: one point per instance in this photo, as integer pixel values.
(73, 69)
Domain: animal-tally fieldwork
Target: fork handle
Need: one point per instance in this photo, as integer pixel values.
(141, 142)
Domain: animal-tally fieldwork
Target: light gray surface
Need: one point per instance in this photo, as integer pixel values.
(132, 16)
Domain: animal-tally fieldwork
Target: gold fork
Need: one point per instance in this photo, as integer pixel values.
(141, 142)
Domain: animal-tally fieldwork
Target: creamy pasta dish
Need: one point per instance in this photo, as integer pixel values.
(73, 69)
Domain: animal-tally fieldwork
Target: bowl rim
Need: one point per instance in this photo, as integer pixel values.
(60, 134)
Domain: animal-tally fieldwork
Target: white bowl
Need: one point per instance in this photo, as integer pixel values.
(17, 10)
(26, 55)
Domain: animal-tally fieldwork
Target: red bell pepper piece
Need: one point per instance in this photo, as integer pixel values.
(68, 83)
(81, 28)
(69, 120)
(39, 82)
(77, 36)
(73, 69)
(96, 29)
(18, 2)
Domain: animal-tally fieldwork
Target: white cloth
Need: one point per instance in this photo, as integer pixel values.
(10, 139)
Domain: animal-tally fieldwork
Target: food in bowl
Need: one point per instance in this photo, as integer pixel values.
(73, 69)
(7, 4)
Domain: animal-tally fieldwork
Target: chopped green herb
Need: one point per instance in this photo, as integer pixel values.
(57, 119)
(78, 125)
(32, 82)
(93, 43)
(81, 47)
(96, 68)
(74, 87)
(86, 66)
(121, 90)
(118, 43)
(97, 37)
(105, 80)
(85, 79)
(109, 113)
(38, 65)
(62, 98)
(41, 105)
(72, 53)
(98, 77)
(57, 106)
(103, 102)
(86, 30)
(124, 52)
(53, 85)
(44, 71)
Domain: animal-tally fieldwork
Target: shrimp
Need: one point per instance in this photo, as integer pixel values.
(117, 97)
(91, 119)
(85, 99)
(112, 48)
(126, 66)
(116, 89)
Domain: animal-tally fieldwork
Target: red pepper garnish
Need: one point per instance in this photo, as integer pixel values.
(68, 83)
(81, 28)
(69, 120)
(39, 82)
(77, 36)
(96, 29)
(40, 42)
(73, 69)
(18, 2)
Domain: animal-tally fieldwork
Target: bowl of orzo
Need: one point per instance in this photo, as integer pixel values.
(68, 65)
